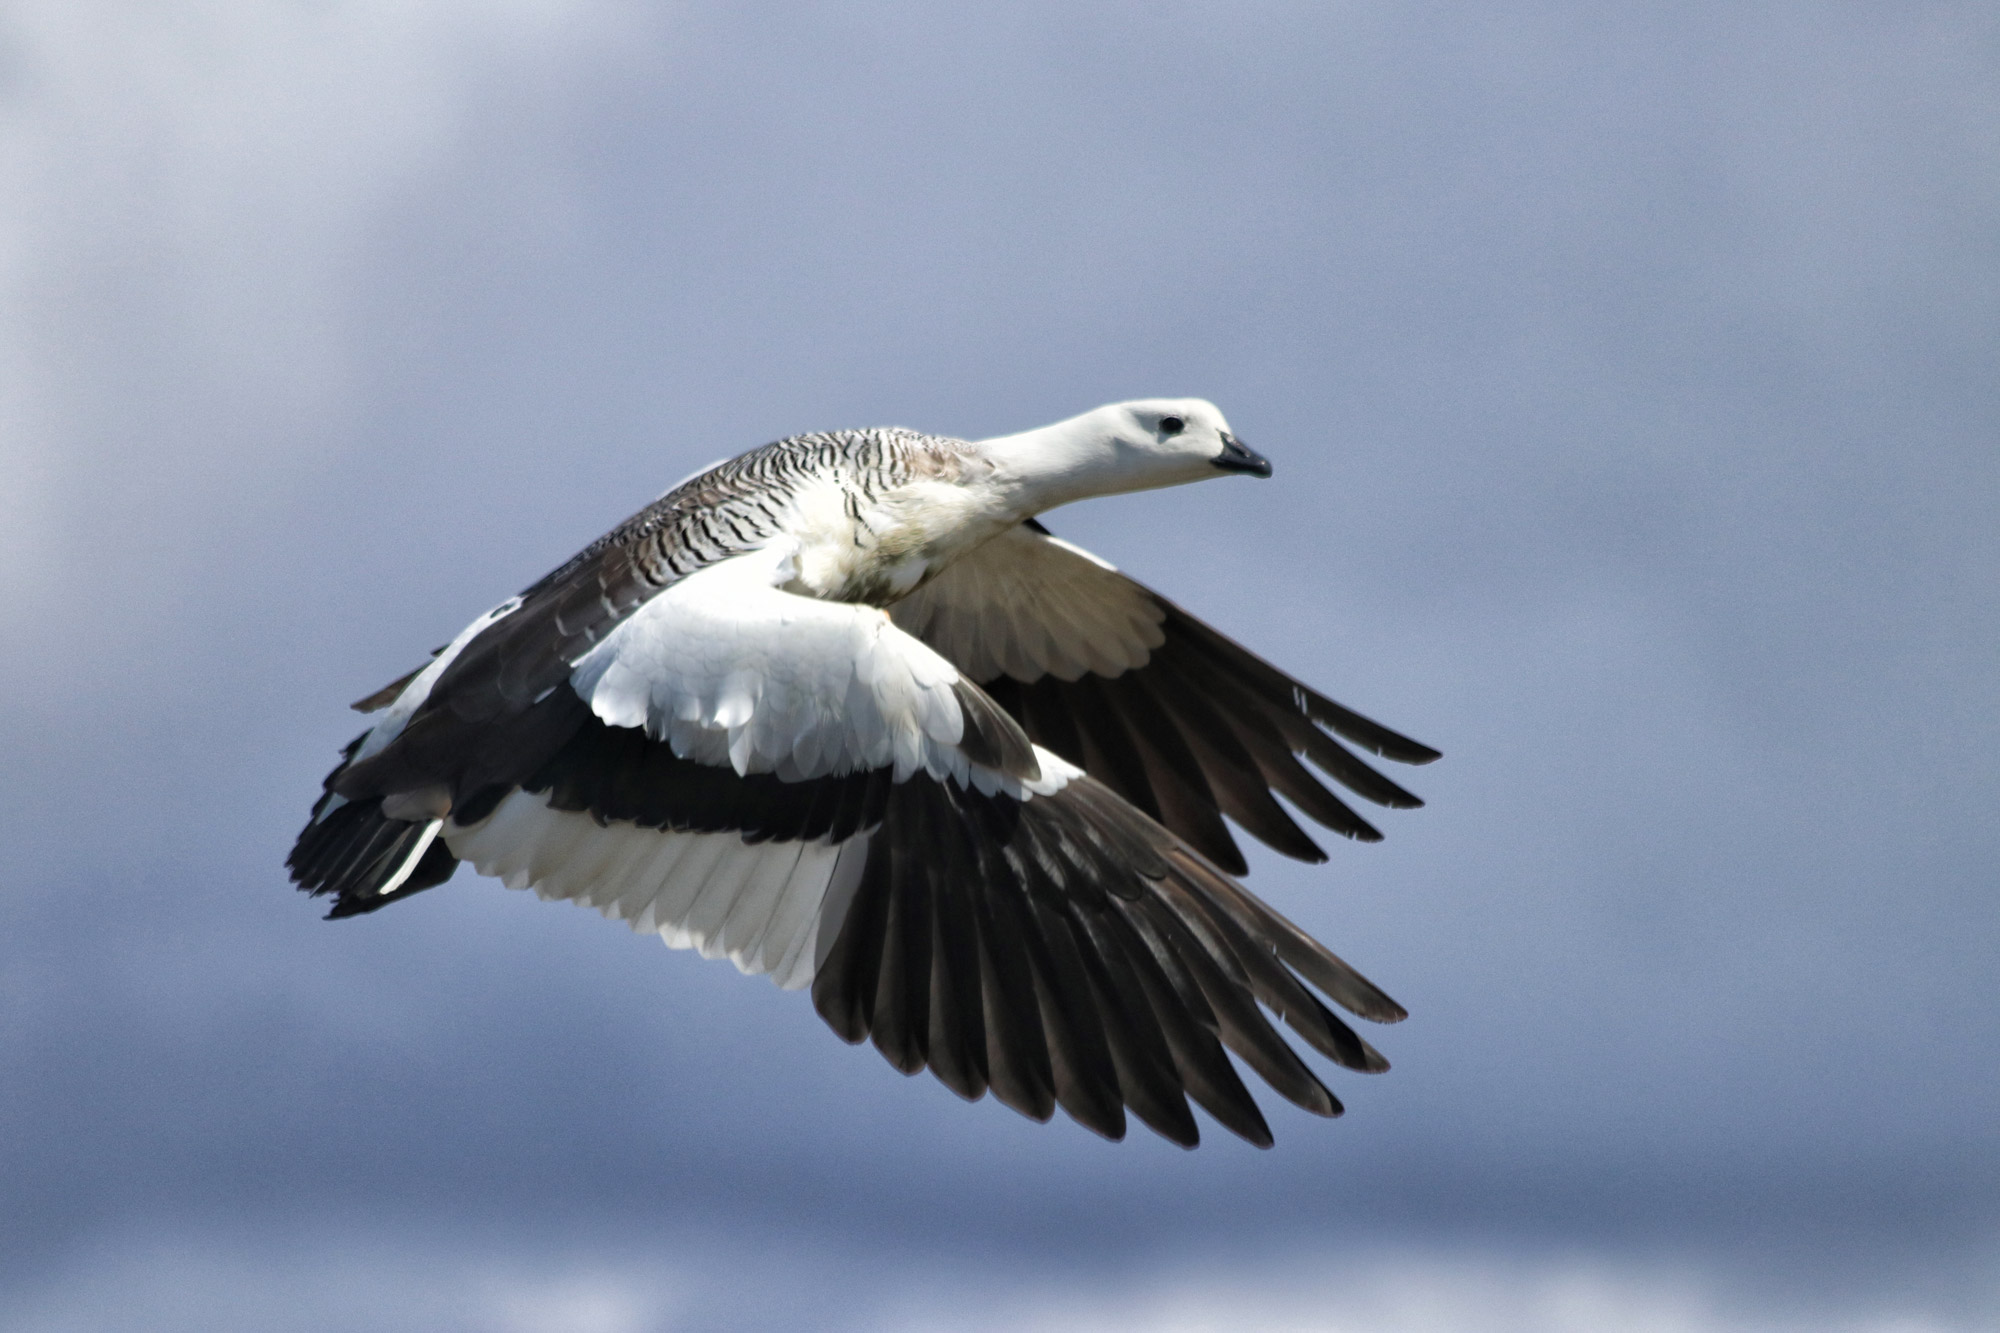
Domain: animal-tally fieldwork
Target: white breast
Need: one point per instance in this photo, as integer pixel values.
(857, 548)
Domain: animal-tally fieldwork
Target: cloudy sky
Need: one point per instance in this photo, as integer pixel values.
(1630, 375)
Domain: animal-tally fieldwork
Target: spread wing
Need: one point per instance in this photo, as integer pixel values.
(1178, 719)
(806, 789)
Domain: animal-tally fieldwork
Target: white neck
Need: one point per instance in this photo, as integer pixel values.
(1076, 459)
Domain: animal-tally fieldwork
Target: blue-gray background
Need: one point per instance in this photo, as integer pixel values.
(1629, 372)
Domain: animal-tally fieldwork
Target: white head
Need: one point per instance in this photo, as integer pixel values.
(1137, 446)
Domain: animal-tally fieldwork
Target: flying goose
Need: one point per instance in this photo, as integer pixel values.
(842, 710)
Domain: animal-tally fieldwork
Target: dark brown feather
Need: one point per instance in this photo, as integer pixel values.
(843, 988)
(957, 1045)
(902, 1021)
(1202, 729)
(1066, 950)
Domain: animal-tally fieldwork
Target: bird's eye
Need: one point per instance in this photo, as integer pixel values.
(1172, 425)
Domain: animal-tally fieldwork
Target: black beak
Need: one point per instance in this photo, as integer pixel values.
(1238, 457)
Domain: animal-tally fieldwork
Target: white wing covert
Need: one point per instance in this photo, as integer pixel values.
(1169, 713)
(729, 669)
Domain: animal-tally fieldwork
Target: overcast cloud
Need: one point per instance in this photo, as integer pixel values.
(1629, 372)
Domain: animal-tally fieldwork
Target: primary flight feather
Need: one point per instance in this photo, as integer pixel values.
(842, 710)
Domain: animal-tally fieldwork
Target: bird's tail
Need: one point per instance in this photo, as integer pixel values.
(366, 859)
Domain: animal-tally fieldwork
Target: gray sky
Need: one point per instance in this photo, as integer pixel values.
(1629, 372)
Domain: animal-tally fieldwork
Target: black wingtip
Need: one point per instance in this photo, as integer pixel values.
(385, 696)
(389, 693)
(992, 739)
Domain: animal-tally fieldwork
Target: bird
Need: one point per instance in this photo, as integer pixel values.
(843, 710)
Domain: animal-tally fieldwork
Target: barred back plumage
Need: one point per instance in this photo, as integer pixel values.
(736, 505)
